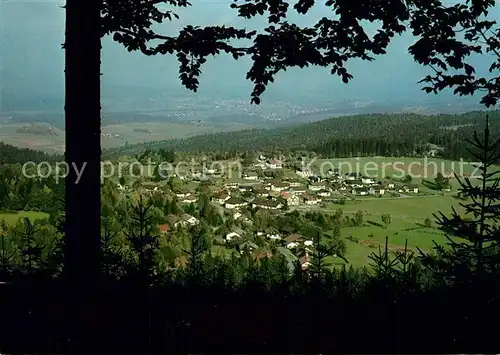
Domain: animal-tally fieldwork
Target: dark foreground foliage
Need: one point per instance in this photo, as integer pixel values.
(347, 312)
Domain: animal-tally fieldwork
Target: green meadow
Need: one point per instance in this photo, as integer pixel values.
(11, 217)
(408, 217)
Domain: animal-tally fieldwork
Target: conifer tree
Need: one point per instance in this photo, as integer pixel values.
(7, 254)
(143, 240)
(198, 245)
(474, 239)
(31, 249)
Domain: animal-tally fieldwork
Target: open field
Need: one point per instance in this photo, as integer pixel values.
(407, 223)
(52, 144)
(123, 133)
(160, 131)
(11, 217)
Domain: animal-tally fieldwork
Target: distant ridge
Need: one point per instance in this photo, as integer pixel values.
(403, 126)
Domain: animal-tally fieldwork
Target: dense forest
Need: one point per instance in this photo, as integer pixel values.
(362, 135)
(14, 155)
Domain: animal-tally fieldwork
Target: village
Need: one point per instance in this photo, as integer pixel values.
(268, 184)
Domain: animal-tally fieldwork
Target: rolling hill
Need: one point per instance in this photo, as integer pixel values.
(404, 127)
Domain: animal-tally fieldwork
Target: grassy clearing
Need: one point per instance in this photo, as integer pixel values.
(52, 144)
(11, 217)
(407, 223)
(416, 208)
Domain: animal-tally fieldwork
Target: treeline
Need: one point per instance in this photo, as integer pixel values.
(38, 130)
(374, 134)
(14, 155)
(25, 192)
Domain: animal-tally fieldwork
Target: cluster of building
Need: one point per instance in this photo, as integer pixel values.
(303, 187)
(259, 191)
(299, 245)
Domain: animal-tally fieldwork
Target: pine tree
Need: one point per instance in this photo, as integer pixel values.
(31, 249)
(197, 248)
(7, 255)
(474, 239)
(143, 240)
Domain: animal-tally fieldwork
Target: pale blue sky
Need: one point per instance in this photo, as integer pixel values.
(32, 60)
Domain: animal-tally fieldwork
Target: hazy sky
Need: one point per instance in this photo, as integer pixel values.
(32, 60)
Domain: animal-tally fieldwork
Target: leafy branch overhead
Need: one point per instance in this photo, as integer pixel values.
(447, 35)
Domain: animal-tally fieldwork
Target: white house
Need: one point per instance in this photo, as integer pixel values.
(391, 185)
(294, 183)
(308, 243)
(311, 200)
(236, 215)
(232, 235)
(266, 204)
(293, 241)
(221, 197)
(261, 192)
(210, 171)
(183, 194)
(360, 191)
(279, 186)
(355, 183)
(273, 236)
(189, 199)
(334, 172)
(293, 200)
(184, 220)
(235, 202)
(351, 176)
(317, 186)
(304, 262)
(367, 180)
(189, 219)
(232, 185)
(303, 172)
(251, 176)
(297, 189)
(413, 189)
(274, 164)
(376, 190)
(324, 193)
(148, 189)
(245, 188)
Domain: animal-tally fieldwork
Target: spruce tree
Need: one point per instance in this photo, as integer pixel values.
(474, 238)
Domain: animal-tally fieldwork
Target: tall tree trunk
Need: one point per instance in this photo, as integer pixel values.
(83, 152)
